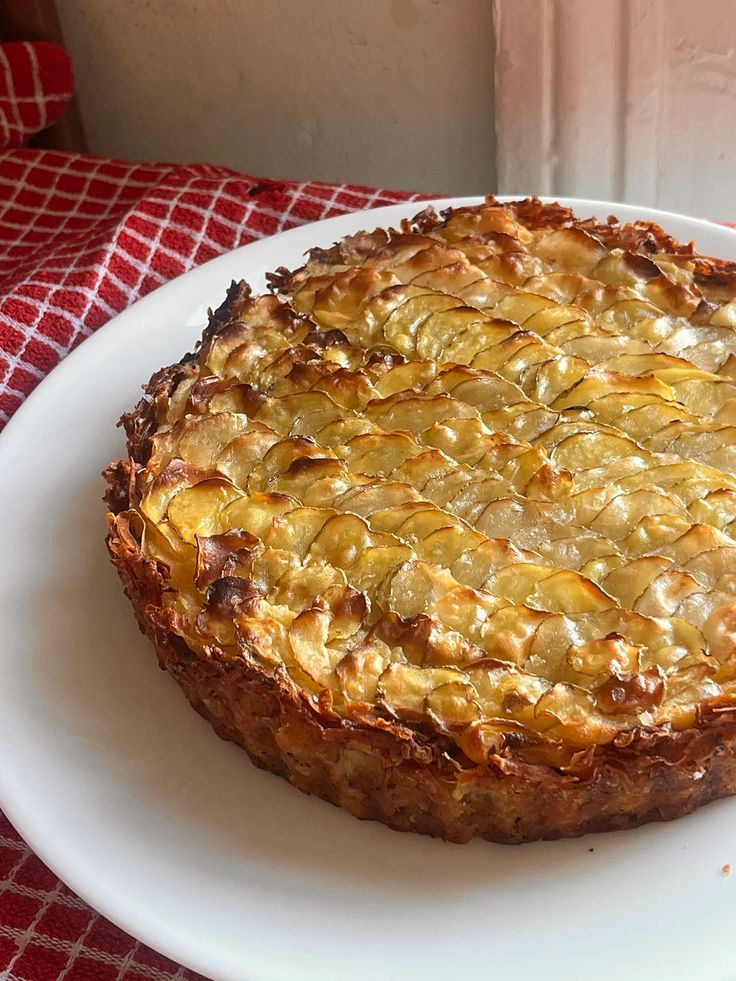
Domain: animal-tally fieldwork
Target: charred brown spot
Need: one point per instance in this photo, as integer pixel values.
(423, 222)
(385, 359)
(238, 295)
(180, 647)
(514, 701)
(227, 599)
(245, 398)
(318, 464)
(251, 399)
(143, 421)
(631, 696)
(389, 628)
(121, 480)
(218, 556)
(320, 340)
(279, 278)
(351, 606)
(305, 372)
(415, 639)
(205, 388)
(361, 244)
(642, 265)
(231, 594)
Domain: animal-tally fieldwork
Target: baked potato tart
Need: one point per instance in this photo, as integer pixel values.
(443, 528)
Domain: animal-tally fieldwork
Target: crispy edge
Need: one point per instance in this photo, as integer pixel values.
(642, 237)
(405, 779)
(389, 773)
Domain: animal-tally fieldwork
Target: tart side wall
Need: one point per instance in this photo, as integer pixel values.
(392, 775)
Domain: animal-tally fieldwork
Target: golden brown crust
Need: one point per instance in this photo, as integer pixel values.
(470, 729)
(638, 237)
(390, 774)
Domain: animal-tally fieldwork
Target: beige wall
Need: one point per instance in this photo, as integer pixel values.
(385, 92)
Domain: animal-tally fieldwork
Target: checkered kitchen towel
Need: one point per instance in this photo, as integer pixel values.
(36, 86)
(81, 238)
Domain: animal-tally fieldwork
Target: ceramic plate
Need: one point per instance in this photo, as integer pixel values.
(136, 804)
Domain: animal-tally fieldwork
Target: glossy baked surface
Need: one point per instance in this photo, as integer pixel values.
(468, 484)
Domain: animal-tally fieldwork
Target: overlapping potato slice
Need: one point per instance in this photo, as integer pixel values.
(647, 297)
(475, 476)
(542, 472)
(430, 325)
(329, 479)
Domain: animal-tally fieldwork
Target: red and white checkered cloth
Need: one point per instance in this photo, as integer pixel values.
(36, 86)
(81, 238)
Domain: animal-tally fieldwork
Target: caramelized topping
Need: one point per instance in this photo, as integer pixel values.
(477, 475)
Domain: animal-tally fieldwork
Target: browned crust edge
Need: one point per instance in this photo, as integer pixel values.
(392, 774)
(385, 771)
(641, 237)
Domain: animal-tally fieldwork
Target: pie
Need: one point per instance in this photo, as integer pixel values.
(443, 528)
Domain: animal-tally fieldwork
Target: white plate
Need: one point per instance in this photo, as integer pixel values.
(135, 803)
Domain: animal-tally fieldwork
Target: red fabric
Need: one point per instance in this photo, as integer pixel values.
(82, 238)
(46, 932)
(36, 86)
